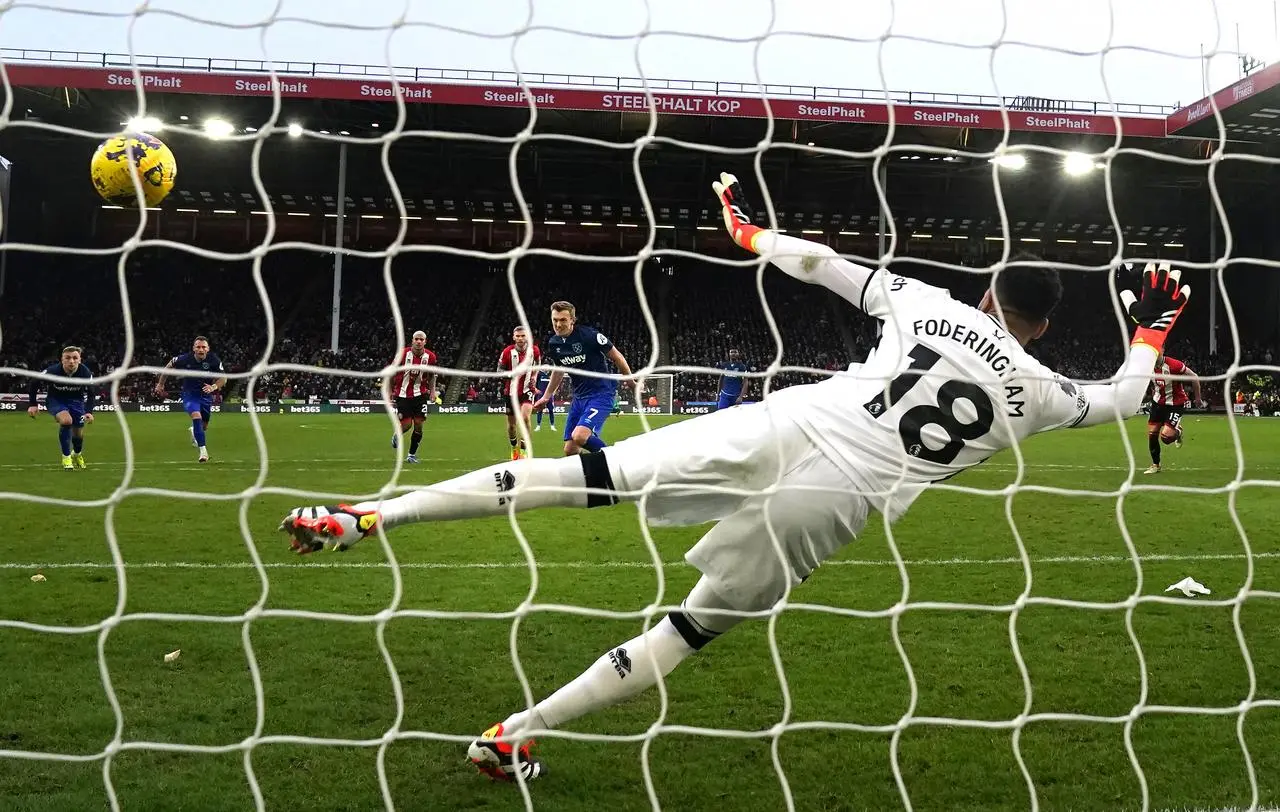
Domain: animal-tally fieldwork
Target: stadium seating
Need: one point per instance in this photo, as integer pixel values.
(701, 311)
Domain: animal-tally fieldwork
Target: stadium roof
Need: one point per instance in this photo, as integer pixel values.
(559, 92)
(579, 160)
(1250, 111)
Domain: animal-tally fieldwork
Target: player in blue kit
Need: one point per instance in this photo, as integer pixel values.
(544, 389)
(732, 385)
(574, 348)
(70, 403)
(197, 392)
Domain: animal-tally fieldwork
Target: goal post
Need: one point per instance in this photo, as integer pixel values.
(656, 397)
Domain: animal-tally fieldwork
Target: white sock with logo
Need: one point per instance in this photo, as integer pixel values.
(620, 673)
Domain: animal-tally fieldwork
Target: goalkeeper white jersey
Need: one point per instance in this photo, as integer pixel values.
(946, 388)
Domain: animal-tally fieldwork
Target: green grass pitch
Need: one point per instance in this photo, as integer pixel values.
(327, 678)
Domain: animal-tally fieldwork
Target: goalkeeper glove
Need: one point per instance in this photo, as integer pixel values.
(1161, 303)
(736, 211)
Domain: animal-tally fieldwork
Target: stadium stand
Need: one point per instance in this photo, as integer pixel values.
(708, 310)
(174, 298)
(700, 308)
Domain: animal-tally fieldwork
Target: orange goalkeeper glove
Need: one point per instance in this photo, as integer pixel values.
(1161, 303)
(736, 211)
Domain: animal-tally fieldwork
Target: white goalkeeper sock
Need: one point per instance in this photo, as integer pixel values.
(489, 492)
(621, 673)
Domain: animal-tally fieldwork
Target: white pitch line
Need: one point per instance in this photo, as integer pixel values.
(606, 565)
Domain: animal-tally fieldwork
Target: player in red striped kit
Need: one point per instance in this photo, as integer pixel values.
(521, 386)
(412, 387)
(1168, 399)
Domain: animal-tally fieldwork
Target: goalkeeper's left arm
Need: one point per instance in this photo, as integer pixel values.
(1163, 298)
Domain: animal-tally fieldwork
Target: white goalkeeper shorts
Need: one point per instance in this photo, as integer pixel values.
(782, 507)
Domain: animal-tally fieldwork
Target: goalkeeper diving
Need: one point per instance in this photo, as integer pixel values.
(948, 386)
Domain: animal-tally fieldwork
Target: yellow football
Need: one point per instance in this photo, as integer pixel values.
(121, 159)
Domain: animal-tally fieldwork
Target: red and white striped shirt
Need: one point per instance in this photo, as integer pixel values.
(411, 382)
(1167, 392)
(511, 359)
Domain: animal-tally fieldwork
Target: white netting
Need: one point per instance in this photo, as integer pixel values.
(877, 156)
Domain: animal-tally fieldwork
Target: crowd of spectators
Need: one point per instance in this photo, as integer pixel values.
(714, 310)
(706, 310)
(175, 296)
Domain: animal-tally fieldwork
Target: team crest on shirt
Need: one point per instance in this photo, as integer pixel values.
(204, 366)
(577, 346)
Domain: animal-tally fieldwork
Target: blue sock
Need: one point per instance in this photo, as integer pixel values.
(540, 417)
(64, 440)
(198, 426)
(77, 443)
(594, 444)
(551, 415)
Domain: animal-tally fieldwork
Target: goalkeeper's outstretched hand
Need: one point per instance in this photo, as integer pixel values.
(1161, 303)
(737, 212)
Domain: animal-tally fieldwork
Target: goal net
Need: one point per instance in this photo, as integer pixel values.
(1051, 629)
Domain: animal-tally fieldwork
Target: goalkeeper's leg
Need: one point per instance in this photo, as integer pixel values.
(487, 492)
(749, 561)
(735, 449)
(620, 673)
